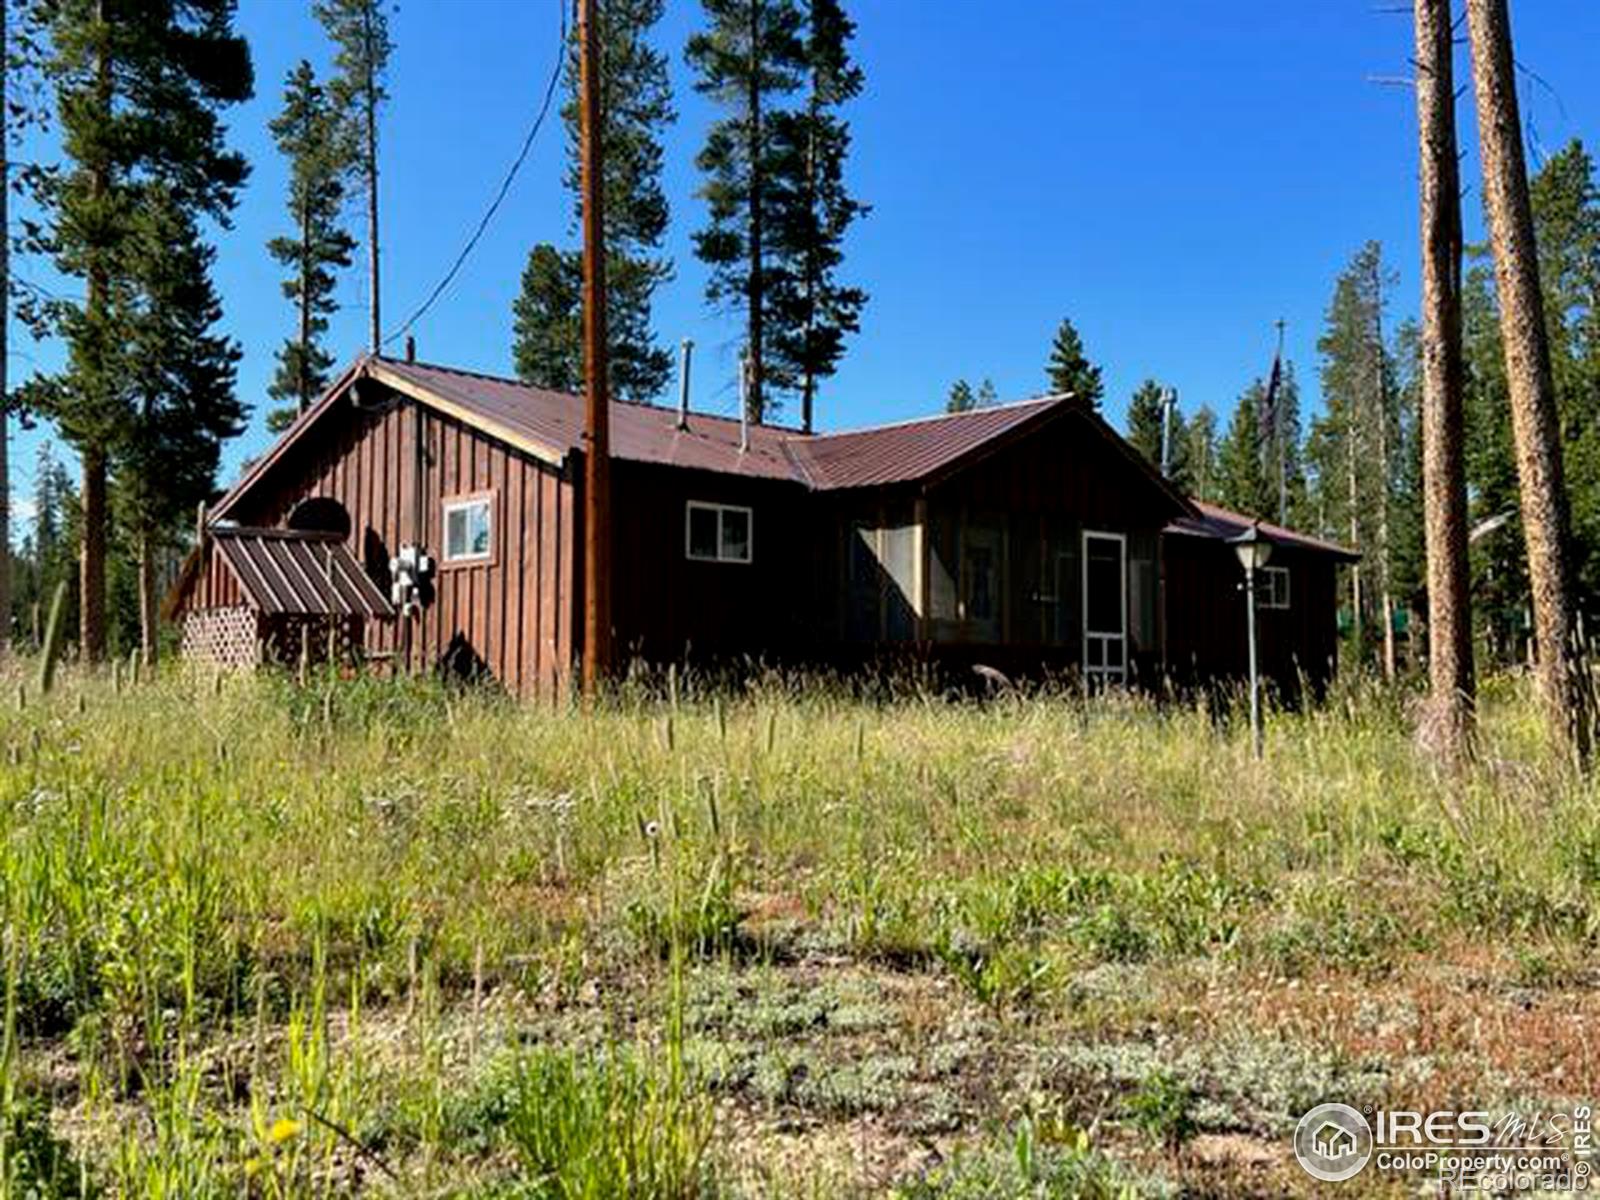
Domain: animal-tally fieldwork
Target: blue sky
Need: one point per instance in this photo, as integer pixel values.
(1174, 176)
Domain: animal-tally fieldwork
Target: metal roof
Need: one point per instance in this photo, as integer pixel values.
(549, 425)
(297, 573)
(1214, 521)
(908, 450)
(639, 432)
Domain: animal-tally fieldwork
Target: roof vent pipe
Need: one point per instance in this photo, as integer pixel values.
(744, 403)
(687, 347)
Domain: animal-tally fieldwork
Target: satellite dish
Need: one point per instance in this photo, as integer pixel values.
(320, 514)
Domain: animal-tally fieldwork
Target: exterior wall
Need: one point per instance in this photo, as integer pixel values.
(1026, 506)
(666, 606)
(1205, 617)
(513, 614)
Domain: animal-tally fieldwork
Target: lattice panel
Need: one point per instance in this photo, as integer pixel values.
(225, 636)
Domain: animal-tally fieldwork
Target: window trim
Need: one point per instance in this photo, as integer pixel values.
(1270, 598)
(456, 503)
(719, 510)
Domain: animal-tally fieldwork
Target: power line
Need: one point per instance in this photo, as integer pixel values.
(505, 186)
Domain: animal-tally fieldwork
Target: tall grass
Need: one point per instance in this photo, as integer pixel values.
(224, 907)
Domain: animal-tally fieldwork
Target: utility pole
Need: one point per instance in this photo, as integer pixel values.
(597, 448)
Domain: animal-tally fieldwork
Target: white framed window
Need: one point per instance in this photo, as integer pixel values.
(718, 532)
(1272, 589)
(469, 529)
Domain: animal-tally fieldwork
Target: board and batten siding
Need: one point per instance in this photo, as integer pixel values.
(513, 612)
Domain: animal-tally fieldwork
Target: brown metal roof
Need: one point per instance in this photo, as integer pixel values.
(1214, 521)
(908, 450)
(549, 425)
(639, 432)
(298, 573)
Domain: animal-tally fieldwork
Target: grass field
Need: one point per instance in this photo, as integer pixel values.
(378, 939)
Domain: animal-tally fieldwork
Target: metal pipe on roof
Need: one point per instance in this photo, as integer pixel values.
(744, 403)
(687, 346)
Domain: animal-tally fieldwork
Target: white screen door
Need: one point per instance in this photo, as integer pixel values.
(1105, 608)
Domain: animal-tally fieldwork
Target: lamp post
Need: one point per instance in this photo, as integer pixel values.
(1253, 551)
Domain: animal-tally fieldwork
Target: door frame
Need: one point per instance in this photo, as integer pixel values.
(1103, 674)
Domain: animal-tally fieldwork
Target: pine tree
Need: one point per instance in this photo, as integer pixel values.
(548, 320)
(750, 62)
(182, 384)
(1145, 419)
(138, 90)
(1069, 370)
(359, 30)
(1357, 471)
(1200, 440)
(635, 109)
(817, 310)
(1545, 519)
(1243, 482)
(961, 398)
(311, 134)
(987, 396)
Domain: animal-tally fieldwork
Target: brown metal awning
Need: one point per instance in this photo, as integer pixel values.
(294, 572)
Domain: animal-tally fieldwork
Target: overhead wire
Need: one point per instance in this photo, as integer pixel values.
(505, 187)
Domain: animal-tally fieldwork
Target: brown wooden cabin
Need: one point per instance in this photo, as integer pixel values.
(1026, 537)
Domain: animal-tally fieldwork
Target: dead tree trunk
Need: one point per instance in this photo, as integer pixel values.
(1352, 479)
(1380, 402)
(1451, 679)
(1533, 403)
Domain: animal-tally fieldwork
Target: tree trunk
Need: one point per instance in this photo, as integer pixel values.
(92, 562)
(92, 557)
(372, 184)
(808, 378)
(1352, 433)
(1451, 679)
(1533, 404)
(5, 316)
(149, 631)
(303, 383)
(1380, 396)
(757, 397)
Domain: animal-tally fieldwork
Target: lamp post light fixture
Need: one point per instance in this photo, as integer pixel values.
(1253, 551)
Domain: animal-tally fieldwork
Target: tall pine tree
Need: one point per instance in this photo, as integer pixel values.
(311, 134)
(139, 88)
(817, 310)
(182, 386)
(750, 62)
(1244, 483)
(359, 30)
(635, 109)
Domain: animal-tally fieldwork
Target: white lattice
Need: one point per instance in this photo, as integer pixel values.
(225, 636)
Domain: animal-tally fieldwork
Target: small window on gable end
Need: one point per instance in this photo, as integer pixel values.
(469, 529)
(718, 532)
(1272, 589)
